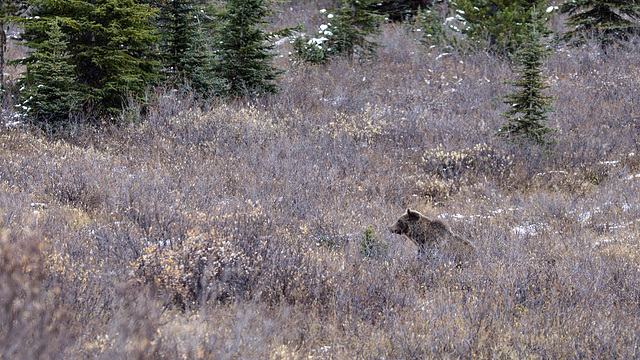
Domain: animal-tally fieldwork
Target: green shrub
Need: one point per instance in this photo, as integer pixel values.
(371, 246)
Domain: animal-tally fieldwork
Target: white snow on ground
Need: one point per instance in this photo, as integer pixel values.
(583, 217)
(553, 172)
(530, 229)
(603, 242)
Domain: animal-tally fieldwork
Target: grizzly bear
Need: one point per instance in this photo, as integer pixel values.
(432, 236)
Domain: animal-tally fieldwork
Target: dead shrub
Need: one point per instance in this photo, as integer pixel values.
(447, 172)
(200, 265)
(33, 322)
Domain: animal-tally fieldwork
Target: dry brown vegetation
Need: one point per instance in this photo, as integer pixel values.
(234, 232)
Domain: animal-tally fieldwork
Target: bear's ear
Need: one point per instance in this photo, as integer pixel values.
(412, 213)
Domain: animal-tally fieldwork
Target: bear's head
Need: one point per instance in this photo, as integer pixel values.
(403, 225)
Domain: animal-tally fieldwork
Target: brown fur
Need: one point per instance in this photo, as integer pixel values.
(432, 235)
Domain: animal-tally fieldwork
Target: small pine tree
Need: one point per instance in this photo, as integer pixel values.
(529, 106)
(50, 91)
(612, 18)
(371, 246)
(243, 58)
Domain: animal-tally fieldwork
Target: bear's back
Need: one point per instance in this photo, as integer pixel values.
(431, 231)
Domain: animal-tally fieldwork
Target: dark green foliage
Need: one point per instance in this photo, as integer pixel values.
(243, 58)
(609, 18)
(310, 50)
(185, 53)
(109, 44)
(428, 25)
(198, 69)
(496, 24)
(50, 92)
(346, 33)
(529, 106)
(178, 24)
(371, 245)
(350, 27)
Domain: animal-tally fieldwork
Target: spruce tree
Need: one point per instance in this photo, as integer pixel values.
(50, 91)
(243, 59)
(185, 53)
(346, 33)
(351, 26)
(178, 23)
(497, 24)
(429, 24)
(529, 106)
(110, 45)
(198, 69)
(611, 18)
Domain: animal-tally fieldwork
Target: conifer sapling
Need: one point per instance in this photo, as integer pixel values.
(529, 106)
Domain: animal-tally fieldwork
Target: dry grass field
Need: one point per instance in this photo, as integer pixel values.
(234, 231)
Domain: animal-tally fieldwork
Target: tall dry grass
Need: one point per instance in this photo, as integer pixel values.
(234, 231)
